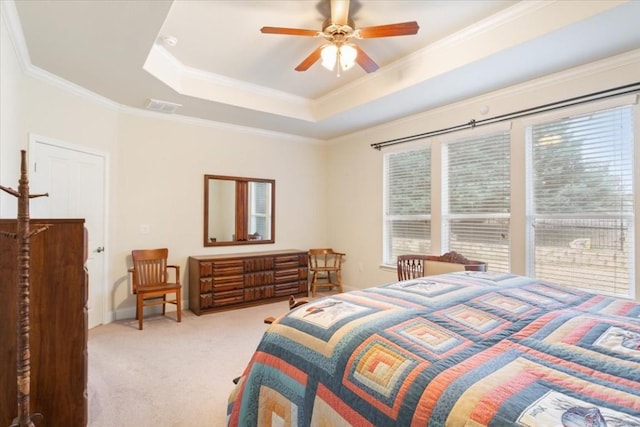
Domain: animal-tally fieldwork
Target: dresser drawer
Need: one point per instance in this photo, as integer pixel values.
(206, 301)
(227, 298)
(286, 289)
(206, 269)
(206, 285)
(258, 293)
(258, 264)
(289, 261)
(284, 276)
(259, 279)
(219, 288)
(225, 281)
(227, 267)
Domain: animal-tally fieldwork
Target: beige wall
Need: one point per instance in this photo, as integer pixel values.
(355, 178)
(160, 184)
(11, 115)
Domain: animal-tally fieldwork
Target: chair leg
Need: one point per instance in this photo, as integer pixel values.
(139, 310)
(314, 278)
(179, 305)
(339, 280)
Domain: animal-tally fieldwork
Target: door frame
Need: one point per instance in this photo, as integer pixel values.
(35, 139)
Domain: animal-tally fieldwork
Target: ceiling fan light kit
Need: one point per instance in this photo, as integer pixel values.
(344, 56)
(338, 30)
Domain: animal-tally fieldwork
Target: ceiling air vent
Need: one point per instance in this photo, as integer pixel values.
(162, 106)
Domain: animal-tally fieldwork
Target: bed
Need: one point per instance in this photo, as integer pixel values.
(460, 349)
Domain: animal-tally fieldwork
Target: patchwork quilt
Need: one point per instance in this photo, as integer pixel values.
(460, 349)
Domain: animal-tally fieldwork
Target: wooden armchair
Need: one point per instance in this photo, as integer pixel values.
(150, 281)
(413, 266)
(322, 263)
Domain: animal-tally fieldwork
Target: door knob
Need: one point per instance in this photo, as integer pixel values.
(100, 249)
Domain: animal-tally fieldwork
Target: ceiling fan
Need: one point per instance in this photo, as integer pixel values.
(339, 30)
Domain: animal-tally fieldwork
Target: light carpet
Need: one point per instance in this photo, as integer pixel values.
(171, 374)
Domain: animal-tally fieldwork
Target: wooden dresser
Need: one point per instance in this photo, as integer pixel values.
(58, 336)
(222, 282)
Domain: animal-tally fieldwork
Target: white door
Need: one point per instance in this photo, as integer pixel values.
(74, 177)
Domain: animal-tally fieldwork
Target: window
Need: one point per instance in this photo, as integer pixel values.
(259, 214)
(407, 203)
(477, 190)
(581, 201)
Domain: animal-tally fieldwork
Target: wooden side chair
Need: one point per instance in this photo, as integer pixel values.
(322, 263)
(150, 281)
(414, 266)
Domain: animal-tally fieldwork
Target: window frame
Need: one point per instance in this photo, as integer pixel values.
(532, 217)
(388, 257)
(447, 217)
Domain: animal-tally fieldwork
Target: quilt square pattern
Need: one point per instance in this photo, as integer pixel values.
(376, 372)
(428, 336)
(474, 320)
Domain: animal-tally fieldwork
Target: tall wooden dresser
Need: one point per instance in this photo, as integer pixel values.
(221, 282)
(58, 336)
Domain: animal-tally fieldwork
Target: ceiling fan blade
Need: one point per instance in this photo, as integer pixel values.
(390, 30)
(365, 61)
(340, 12)
(309, 60)
(289, 31)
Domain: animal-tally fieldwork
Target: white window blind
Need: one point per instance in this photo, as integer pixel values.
(582, 201)
(478, 188)
(407, 203)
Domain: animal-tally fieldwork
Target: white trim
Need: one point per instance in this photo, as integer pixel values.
(34, 138)
(9, 14)
(213, 87)
(69, 87)
(280, 136)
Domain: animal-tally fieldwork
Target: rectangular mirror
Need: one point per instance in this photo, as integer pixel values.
(238, 211)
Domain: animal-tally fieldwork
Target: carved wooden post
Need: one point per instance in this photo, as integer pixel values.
(23, 235)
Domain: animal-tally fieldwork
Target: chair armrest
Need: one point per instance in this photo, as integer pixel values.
(177, 269)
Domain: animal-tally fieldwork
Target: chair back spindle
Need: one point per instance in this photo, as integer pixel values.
(414, 266)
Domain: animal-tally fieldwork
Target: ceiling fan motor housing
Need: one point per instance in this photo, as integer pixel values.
(334, 32)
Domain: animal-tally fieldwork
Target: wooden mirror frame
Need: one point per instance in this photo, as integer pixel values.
(242, 234)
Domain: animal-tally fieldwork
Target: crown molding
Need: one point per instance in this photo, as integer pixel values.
(197, 83)
(9, 15)
(194, 121)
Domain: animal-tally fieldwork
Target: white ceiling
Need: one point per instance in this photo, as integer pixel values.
(223, 69)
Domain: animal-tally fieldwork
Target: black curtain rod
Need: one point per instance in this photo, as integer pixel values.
(604, 94)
